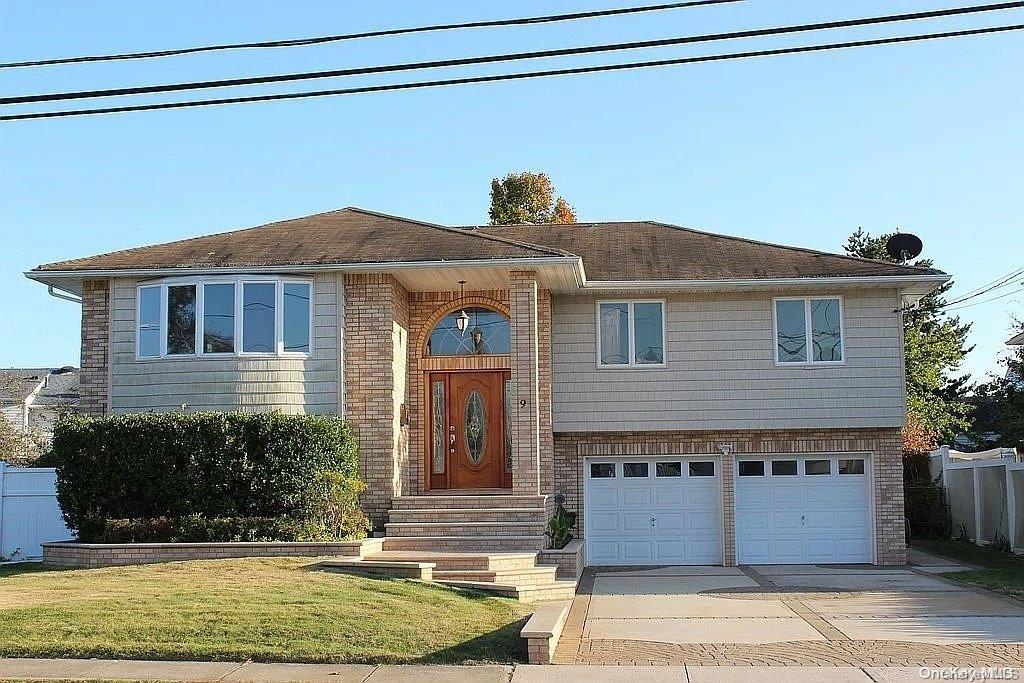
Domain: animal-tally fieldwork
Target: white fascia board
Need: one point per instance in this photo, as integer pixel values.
(56, 277)
(906, 283)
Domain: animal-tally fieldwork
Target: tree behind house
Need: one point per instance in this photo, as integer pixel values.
(934, 347)
(527, 198)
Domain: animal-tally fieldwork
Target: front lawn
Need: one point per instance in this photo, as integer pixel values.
(280, 609)
(1001, 572)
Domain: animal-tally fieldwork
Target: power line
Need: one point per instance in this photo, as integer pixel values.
(515, 76)
(985, 301)
(998, 283)
(319, 40)
(491, 59)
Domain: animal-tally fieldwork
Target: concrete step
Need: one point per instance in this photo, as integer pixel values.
(464, 561)
(472, 529)
(471, 544)
(468, 515)
(523, 577)
(449, 501)
(557, 590)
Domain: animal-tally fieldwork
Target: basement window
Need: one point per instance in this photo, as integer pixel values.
(224, 317)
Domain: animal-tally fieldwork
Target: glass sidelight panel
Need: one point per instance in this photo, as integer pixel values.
(476, 427)
(437, 432)
(508, 425)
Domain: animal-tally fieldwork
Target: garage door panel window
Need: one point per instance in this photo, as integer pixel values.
(784, 468)
(851, 466)
(668, 469)
(817, 467)
(751, 468)
(602, 470)
(634, 470)
(809, 331)
(702, 468)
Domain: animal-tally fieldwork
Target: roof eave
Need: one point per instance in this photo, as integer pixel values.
(71, 280)
(907, 284)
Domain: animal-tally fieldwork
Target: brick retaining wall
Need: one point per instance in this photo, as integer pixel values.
(70, 554)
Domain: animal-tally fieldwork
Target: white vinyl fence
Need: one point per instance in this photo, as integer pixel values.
(29, 513)
(985, 492)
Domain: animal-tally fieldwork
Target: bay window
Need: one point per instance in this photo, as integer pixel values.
(224, 316)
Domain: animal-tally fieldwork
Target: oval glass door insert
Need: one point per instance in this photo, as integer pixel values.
(476, 427)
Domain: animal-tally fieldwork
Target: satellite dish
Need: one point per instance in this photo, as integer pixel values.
(903, 246)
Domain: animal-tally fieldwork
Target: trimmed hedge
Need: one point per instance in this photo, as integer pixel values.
(175, 465)
(199, 529)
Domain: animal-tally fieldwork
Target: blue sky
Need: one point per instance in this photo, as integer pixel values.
(799, 150)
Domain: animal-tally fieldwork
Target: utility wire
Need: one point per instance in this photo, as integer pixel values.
(998, 283)
(490, 59)
(985, 301)
(516, 76)
(319, 40)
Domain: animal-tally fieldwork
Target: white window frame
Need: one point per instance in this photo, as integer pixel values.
(238, 281)
(808, 332)
(631, 334)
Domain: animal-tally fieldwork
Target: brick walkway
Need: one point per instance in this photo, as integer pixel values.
(836, 650)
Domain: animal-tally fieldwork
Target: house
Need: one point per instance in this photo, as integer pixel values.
(697, 398)
(33, 398)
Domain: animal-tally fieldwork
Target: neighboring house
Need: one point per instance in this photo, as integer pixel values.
(33, 398)
(697, 398)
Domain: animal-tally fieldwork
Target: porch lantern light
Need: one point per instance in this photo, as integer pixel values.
(462, 320)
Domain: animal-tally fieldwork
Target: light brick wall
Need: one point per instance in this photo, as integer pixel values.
(523, 307)
(376, 351)
(89, 555)
(94, 378)
(883, 444)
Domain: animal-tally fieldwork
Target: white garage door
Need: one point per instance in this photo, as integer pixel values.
(799, 510)
(652, 511)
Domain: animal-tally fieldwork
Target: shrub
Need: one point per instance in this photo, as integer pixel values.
(173, 465)
(332, 507)
(926, 509)
(560, 528)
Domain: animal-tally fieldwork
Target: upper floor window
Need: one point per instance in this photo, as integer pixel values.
(222, 316)
(809, 330)
(630, 333)
(486, 332)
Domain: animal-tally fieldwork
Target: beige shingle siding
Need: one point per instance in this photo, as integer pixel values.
(294, 385)
(721, 372)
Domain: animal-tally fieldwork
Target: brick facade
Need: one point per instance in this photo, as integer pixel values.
(883, 444)
(94, 379)
(376, 341)
(526, 409)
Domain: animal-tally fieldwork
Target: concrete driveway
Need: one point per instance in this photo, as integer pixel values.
(773, 615)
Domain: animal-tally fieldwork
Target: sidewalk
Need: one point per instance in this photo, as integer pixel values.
(111, 669)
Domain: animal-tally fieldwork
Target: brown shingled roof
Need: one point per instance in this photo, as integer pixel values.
(618, 251)
(345, 236)
(647, 250)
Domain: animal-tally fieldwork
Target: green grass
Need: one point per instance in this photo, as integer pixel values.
(999, 571)
(280, 609)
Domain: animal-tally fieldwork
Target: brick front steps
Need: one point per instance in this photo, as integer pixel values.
(487, 542)
(493, 522)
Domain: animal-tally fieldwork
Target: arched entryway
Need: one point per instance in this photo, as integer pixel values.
(465, 354)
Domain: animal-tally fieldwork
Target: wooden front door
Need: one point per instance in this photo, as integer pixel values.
(467, 415)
